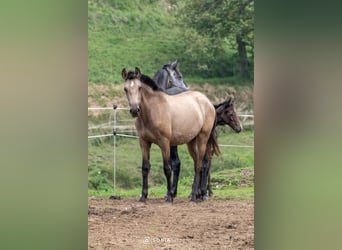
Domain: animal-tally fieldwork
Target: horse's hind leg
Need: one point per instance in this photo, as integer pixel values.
(176, 164)
(204, 177)
(145, 168)
(210, 191)
(200, 143)
(192, 148)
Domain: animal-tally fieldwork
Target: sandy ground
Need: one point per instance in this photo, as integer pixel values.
(129, 224)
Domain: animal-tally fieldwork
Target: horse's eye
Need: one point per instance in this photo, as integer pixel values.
(125, 90)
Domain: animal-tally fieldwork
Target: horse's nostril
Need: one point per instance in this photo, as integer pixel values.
(134, 111)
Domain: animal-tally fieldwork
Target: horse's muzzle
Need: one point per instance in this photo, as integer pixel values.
(134, 111)
(238, 129)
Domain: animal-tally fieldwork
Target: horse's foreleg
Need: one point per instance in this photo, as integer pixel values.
(165, 148)
(176, 164)
(145, 168)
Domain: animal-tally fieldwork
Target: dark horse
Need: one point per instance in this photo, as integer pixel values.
(225, 114)
(169, 120)
(170, 80)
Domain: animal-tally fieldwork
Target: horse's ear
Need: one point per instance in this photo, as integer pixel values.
(124, 73)
(137, 72)
(174, 64)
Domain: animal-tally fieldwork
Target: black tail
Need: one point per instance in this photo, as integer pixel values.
(212, 144)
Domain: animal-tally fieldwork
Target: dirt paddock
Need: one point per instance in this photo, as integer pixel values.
(129, 224)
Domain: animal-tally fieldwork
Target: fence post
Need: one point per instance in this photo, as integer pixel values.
(114, 136)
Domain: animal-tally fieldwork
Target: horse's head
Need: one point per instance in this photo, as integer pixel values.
(225, 114)
(132, 88)
(175, 76)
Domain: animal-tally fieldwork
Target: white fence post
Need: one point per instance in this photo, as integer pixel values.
(114, 135)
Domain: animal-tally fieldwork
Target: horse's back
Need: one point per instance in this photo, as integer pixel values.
(194, 99)
(191, 113)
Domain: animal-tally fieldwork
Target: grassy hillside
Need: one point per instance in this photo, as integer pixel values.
(147, 34)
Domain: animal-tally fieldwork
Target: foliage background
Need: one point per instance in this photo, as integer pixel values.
(150, 33)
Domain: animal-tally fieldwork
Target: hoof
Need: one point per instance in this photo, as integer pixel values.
(142, 199)
(168, 199)
(205, 198)
(114, 197)
(193, 199)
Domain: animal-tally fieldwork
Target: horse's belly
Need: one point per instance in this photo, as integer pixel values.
(186, 126)
(183, 134)
(181, 139)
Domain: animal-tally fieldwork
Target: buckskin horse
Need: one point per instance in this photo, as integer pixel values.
(170, 80)
(166, 120)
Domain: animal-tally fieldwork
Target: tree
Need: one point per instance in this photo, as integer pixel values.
(224, 20)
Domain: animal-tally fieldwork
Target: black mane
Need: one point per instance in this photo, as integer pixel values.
(144, 79)
(148, 81)
(225, 103)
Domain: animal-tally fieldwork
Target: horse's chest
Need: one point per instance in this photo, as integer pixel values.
(148, 132)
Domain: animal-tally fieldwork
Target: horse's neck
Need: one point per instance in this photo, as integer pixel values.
(161, 78)
(219, 119)
(147, 95)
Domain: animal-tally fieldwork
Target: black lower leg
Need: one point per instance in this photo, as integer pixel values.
(145, 169)
(176, 164)
(167, 172)
(204, 175)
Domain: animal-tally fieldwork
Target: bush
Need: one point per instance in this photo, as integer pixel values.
(98, 180)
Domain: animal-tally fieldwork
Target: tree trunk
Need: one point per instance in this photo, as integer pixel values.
(244, 72)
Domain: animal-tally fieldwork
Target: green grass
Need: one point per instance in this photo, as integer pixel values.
(227, 170)
(144, 33)
(183, 192)
(231, 80)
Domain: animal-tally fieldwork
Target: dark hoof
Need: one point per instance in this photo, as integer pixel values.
(168, 199)
(142, 199)
(114, 197)
(193, 198)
